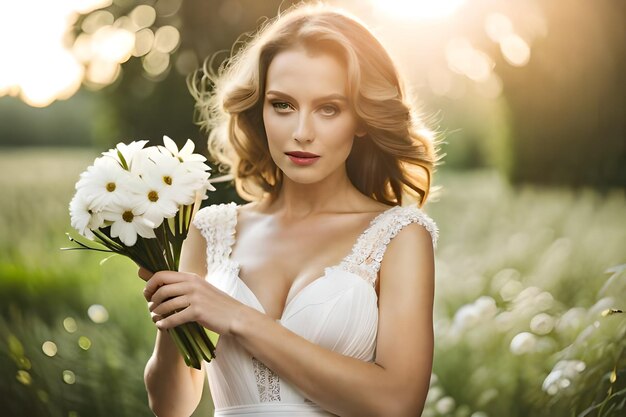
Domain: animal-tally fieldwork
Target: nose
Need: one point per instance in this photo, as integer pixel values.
(304, 131)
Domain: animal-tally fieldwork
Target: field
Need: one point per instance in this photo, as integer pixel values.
(528, 280)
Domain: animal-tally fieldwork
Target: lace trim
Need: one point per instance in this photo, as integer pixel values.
(267, 382)
(217, 224)
(370, 247)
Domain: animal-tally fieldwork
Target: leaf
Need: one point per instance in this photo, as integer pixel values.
(122, 160)
(106, 259)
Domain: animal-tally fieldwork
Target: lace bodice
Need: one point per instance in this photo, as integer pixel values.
(337, 311)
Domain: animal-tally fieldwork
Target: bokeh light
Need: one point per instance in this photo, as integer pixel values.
(84, 342)
(69, 377)
(98, 313)
(69, 324)
(49, 348)
(24, 377)
(49, 62)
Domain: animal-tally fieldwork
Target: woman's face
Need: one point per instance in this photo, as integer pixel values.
(309, 123)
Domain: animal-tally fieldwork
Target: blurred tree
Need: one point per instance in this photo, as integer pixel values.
(568, 105)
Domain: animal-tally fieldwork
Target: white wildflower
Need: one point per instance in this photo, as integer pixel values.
(82, 218)
(445, 405)
(105, 184)
(572, 320)
(542, 324)
(486, 307)
(522, 343)
(510, 290)
(128, 222)
(178, 183)
(185, 154)
(505, 321)
(154, 199)
(466, 316)
(128, 152)
(562, 375)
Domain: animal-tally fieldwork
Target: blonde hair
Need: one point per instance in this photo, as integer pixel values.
(396, 157)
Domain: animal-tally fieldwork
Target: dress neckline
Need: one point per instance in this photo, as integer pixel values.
(236, 267)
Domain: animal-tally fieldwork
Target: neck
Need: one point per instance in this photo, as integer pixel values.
(333, 194)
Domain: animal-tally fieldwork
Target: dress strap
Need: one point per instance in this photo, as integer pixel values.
(369, 249)
(217, 224)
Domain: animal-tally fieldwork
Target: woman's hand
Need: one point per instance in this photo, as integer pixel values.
(175, 298)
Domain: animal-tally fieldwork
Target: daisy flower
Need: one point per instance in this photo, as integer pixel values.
(82, 218)
(106, 183)
(128, 152)
(127, 221)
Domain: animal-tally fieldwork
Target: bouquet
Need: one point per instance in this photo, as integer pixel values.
(138, 202)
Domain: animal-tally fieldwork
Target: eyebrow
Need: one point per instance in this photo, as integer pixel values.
(330, 97)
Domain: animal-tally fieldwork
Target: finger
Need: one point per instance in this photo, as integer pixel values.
(163, 278)
(156, 317)
(171, 305)
(144, 273)
(174, 320)
(168, 291)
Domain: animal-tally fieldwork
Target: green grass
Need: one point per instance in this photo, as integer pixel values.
(496, 240)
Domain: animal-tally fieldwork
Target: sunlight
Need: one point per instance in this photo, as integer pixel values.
(418, 9)
(41, 68)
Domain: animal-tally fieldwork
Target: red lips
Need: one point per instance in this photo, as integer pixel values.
(299, 154)
(302, 158)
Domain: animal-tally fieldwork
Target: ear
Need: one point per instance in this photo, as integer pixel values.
(360, 132)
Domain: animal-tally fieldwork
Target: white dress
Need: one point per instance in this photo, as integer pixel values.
(337, 311)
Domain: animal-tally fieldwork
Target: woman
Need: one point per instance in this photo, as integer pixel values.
(311, 118)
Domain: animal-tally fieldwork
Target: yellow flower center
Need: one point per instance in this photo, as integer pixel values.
(110, 187)
(128, 216)
(153, 196)
(167, 179)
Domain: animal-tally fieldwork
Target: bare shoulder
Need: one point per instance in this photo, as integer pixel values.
(409, 257)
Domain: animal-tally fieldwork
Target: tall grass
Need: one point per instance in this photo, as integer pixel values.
(510, 261)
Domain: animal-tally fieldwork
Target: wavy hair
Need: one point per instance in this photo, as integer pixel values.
(398, 154)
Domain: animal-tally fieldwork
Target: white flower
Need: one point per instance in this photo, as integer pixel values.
(154, 201)
(542, 323)
(510, 290)
(193, 162)
(128, 151)
(522, 343)
(128, 222)
(82, 218)
(486, 306)
(106, 184)
(466, 316)
(178, 183)
(505, 321)
(445, 405)
(185, 154)
(562, 375)
(572, 320)
(469, 315)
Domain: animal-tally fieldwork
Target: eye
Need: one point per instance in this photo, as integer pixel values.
(282, 107)
(329, 110)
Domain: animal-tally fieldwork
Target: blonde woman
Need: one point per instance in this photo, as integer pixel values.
(322, 286)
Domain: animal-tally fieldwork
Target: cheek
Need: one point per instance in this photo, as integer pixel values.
(277, 127)
(341, 131)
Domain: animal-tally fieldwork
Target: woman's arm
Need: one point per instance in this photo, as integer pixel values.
(174, 389)
(395, 385)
